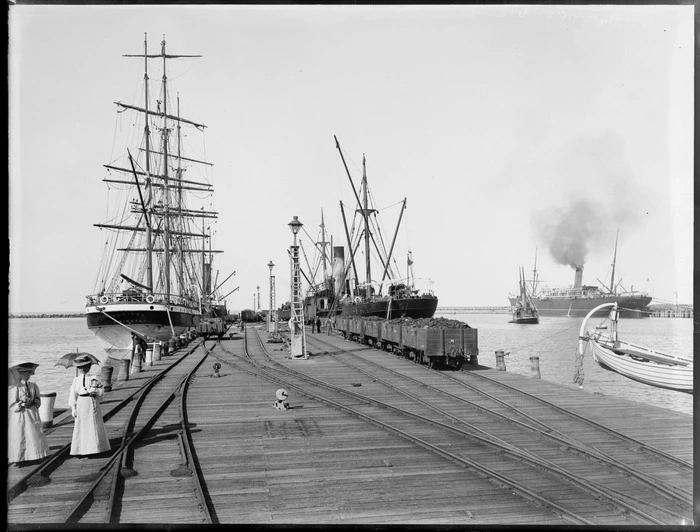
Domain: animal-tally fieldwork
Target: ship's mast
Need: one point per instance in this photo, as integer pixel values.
(178, 172)
(612, 275)
(166, 203)
(323, 243)
(365, 212)
(534, 276)
(149, 189)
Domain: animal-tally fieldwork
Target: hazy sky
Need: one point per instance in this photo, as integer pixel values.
(503, 126)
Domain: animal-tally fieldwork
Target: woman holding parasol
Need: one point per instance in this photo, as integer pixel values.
(89, 433)
(26, 440)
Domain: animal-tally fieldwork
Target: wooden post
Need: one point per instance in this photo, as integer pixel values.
(500, 362)
(48, 400)
(124, 370)
(106, 376)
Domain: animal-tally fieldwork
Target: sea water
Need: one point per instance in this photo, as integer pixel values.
(554, 340)
(45, 340)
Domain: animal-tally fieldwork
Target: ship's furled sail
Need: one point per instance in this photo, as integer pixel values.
(155, 276)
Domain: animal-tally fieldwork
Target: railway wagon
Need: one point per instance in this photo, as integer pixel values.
(435, 346)
(391, 336)
(440, 346)
(356, 329)
(373, 332)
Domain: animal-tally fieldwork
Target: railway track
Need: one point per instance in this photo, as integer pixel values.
(458, 418)
(67, 489)
(576, 499)
(497, 418)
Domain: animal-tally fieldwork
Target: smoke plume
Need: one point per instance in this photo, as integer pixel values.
(569, 233)
(598, 196)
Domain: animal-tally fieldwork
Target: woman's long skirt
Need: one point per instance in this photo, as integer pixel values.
(89, 433)
(25, 438)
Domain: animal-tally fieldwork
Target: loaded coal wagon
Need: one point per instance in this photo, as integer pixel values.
(437, 342)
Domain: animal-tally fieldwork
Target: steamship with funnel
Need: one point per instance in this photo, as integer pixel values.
(341, 293)
(580, 299)
(155, 276)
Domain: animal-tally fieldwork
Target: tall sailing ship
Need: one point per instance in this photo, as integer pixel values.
(342, 293)
(155, 277)
(579, 299)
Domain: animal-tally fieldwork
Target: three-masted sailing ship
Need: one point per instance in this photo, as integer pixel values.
(155, 277)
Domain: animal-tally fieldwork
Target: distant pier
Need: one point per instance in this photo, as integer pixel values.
(473, 310)
(672, 313)
(679, 312)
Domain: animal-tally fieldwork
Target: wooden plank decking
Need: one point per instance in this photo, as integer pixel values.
(316, 464)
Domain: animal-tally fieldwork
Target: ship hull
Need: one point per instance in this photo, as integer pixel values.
(532, 320)
(630, 306)
(415, 307)
(150, 320)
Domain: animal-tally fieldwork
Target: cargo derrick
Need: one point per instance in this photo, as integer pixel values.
(437, 342)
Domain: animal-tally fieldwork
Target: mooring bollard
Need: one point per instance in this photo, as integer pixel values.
(136, 364)
(106, 376)
(149, 356)
(48, 400)
(124, 369)
(535, 366)
(500, 362)
(156, 351)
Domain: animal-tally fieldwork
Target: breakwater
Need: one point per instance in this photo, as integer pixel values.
(49, 315)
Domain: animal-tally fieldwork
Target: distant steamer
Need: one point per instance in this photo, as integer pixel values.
(578, 300)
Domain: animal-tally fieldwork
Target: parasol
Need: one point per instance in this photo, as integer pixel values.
(13, 376)
(67, 360)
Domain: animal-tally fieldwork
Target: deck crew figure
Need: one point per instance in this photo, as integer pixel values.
(89, 433)
(26, 440)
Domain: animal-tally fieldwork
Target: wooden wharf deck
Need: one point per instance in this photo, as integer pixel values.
(315, 463)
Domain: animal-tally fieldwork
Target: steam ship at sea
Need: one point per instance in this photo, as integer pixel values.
(341, 293)
(155, 276)
(578, 300)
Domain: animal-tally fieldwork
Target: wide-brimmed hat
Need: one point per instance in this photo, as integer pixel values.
(81, 361)
(25, 366)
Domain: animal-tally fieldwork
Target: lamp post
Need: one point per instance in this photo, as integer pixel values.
(296, 322)
(271, 322)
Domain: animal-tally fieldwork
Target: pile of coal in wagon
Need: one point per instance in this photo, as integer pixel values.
(445, 323)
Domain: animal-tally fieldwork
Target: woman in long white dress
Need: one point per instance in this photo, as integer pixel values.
(26, 440)
(89, 433)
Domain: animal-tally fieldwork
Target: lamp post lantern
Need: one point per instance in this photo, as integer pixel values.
(296, 322)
